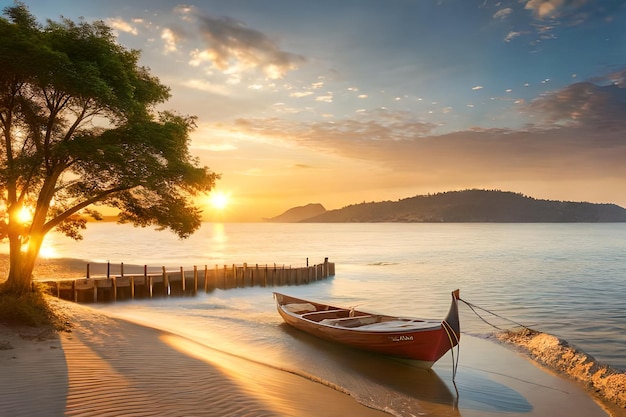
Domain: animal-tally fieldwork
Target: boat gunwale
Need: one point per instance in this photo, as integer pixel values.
(436, 324)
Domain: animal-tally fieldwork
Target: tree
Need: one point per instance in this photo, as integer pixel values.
(79, 131)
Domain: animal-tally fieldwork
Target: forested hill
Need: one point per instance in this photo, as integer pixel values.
(473, 206)
(297, 214)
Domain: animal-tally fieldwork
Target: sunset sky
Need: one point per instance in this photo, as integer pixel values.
(343, 101)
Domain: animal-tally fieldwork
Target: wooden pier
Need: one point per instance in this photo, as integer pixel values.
(182, 282)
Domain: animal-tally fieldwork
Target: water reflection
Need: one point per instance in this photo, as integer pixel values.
(386, 383)
(477, 392)
(379, 381)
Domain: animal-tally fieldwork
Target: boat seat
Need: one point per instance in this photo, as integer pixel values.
(300, 308)
(401, 325)
(358, 321)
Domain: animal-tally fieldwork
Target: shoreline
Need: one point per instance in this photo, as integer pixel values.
(109, 364)
(601, 381)
(56, 268)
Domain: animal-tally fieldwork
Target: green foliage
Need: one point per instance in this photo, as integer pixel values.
(79, 130)
(30, 309)
(472, 206)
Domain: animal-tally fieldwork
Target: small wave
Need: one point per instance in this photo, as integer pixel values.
(558, 355)
(383, 263)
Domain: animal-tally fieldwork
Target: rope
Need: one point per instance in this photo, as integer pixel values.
(450, 332)
(455, 364)
(473, 307)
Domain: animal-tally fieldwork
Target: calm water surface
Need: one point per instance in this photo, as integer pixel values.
(563, 279)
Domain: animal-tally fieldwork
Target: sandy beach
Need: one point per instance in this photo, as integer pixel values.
(108, 366)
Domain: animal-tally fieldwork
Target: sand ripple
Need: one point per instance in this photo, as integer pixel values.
(110, 367)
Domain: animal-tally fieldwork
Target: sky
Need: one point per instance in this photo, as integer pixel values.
(340, 102)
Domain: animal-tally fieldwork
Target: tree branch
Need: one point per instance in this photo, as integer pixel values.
(75, 209)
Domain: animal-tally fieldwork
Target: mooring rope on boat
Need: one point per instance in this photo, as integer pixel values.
(452, 336)
(455, 362)
(474, 307)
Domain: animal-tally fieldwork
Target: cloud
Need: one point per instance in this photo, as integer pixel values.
(550, 15)
(300, 94)
(512, 35)
(583, 104)
(206, 86)
(121, 25)
(219, 147)
(231, 46)
(577, 134)
(617, 77)
(170, 38)
(573, 12)
(502, 13)
(544, 9)
(327, 98)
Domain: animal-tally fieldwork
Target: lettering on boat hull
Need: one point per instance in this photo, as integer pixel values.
(401, 338)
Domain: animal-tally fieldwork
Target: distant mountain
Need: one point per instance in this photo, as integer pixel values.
(298, 214)
(462, 207)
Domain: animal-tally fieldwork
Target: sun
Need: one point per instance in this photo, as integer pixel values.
(219, 200)
(25, 215)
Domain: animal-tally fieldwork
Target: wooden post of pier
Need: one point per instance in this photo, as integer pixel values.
(84, 284)
(57, 289)
(147, 279)
(166, 283)
(264, 280)
(214, 276)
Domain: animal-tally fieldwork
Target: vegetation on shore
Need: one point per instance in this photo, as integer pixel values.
(467, 206)
(27, 309)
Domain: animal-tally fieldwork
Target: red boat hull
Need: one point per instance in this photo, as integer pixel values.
(414, 339)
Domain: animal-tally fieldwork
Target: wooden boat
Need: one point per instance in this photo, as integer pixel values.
(419, 340)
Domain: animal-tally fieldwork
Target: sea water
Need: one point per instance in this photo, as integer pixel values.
(562, 279)
(565, 279)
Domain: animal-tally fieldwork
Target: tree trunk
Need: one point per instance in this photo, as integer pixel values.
(21, 265)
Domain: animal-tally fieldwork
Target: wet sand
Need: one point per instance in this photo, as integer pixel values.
(608, 384)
